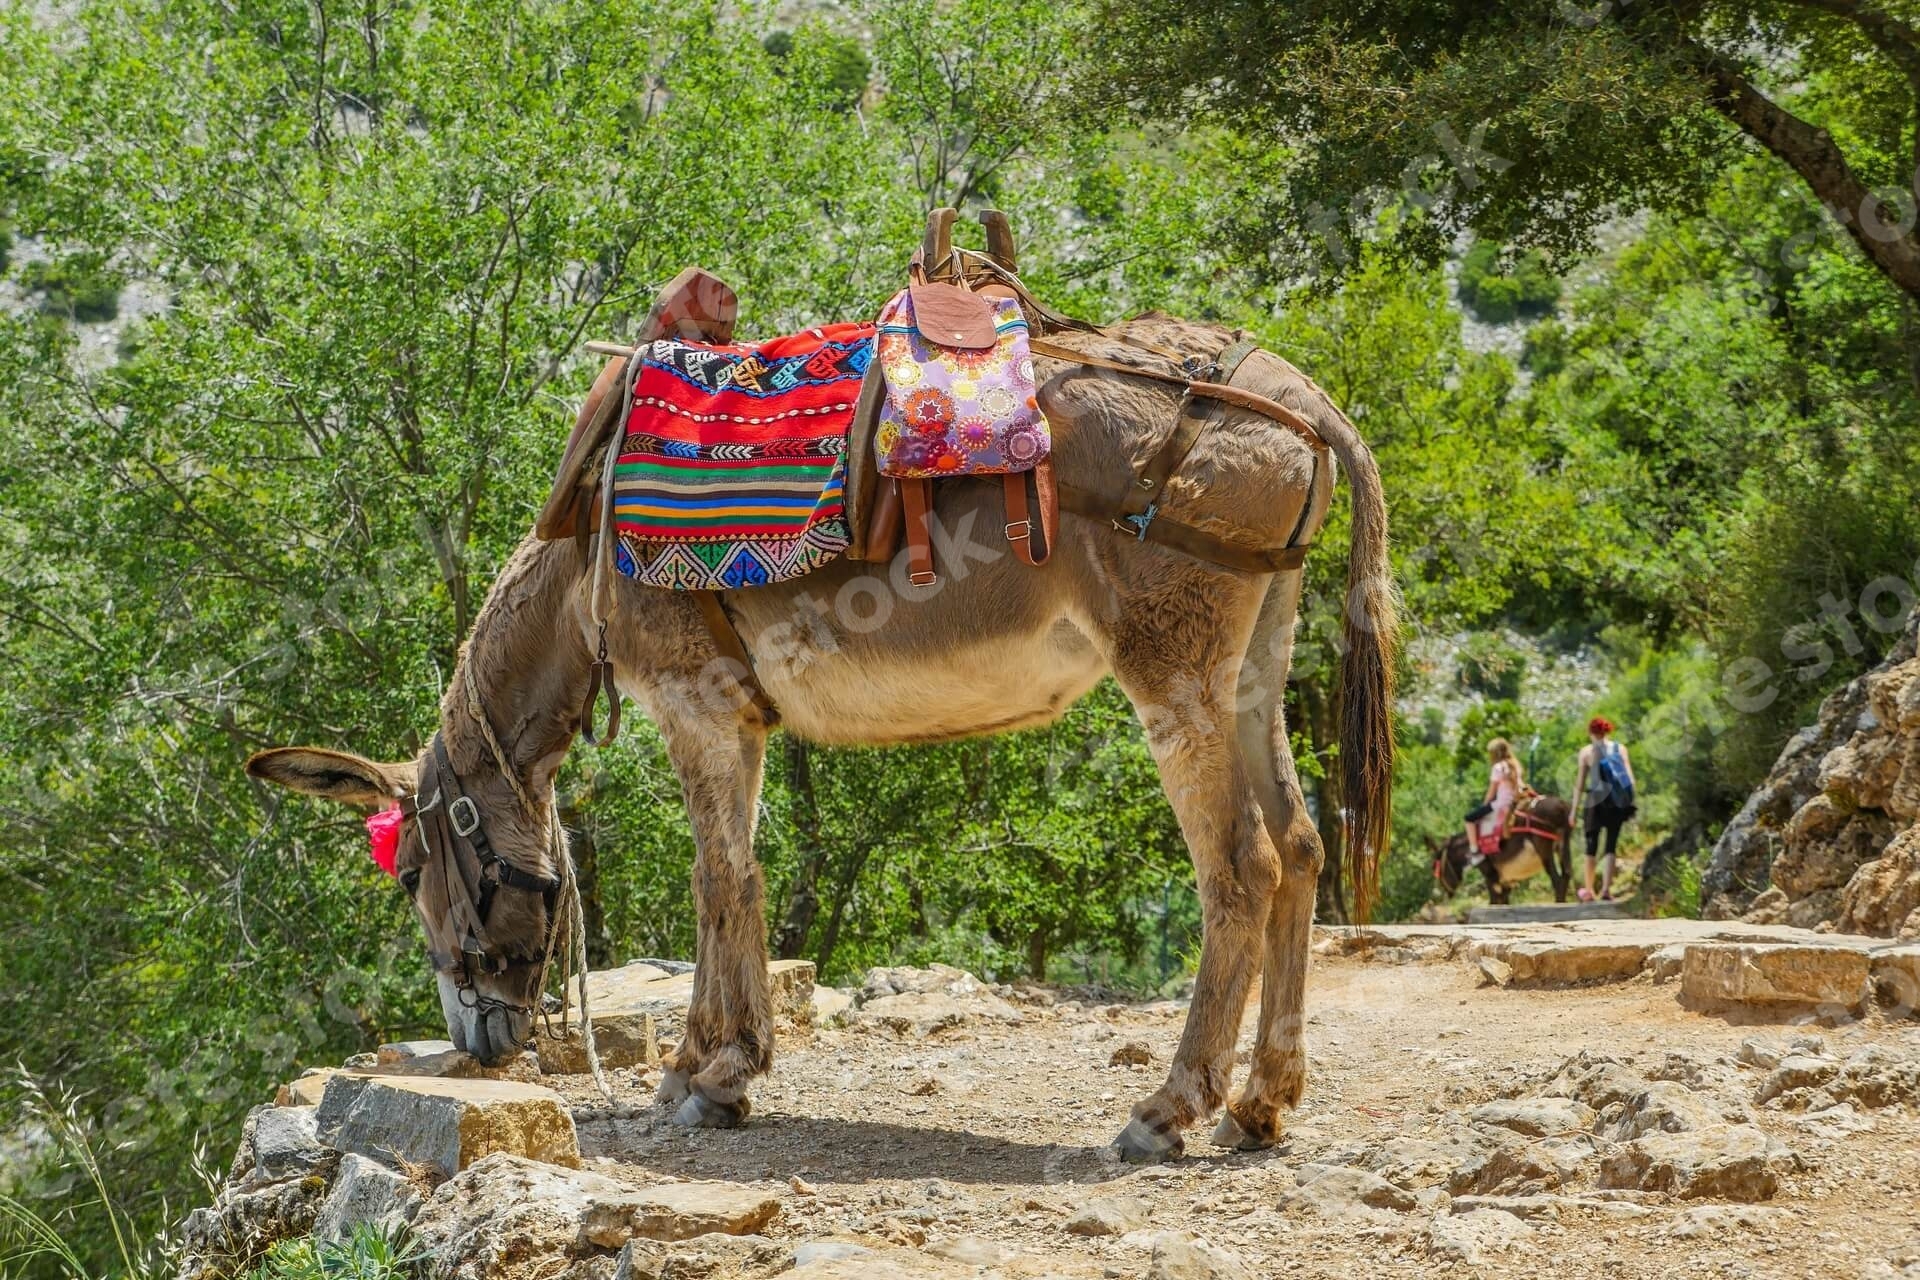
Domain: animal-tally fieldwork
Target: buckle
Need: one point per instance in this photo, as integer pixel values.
(1025, 528)
(924, 578)
(465, 815)
(1199, 368)
(1141, 521)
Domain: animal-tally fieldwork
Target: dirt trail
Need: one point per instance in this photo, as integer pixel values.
(981, 1144)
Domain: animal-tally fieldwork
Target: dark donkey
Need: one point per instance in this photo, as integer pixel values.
(857, 654)
(1540, 837)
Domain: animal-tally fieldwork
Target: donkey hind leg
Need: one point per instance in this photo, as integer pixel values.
(1279, 1073)
(1236, 869)
(729, 1036)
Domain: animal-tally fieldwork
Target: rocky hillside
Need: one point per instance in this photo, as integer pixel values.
(1832, 838)
(1479, 1098)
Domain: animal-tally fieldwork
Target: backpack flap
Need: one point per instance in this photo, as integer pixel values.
(949, 316)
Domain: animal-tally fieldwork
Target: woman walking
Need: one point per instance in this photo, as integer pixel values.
(1606, 787)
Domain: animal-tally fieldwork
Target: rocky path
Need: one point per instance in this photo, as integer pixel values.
(1452, 1125)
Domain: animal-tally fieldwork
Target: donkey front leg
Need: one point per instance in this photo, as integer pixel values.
(1237, 870)
(729, 1038)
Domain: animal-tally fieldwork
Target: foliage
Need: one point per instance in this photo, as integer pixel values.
(1531, 122)
(369, 1253)
(79, 288)
(1491, 666)
(1497, 291)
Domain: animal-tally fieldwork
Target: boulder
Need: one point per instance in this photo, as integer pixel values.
(1134, 1053)
(1473, 1238)
(446, 1124)
(1726, 1162)
(640, 1007)
(1568, 961)
(1720, 974)
(921, 1002)
(1883, 896)
(1519, 1166)
(1535, 1117)
(1665, 1107)
(507, 1212)
(226, 1237)
(1110, 1217)
(366, 1191)
(1796, 1071)
(305, 1090)
(286, 1144)
(1180, 1256)
(713, 1255)
(1896, 979)
(1338, 1193)
(830, 1006)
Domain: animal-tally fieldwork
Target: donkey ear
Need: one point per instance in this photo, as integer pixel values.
(1432, 844)
(335, 775)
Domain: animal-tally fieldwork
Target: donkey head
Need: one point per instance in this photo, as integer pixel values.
(476, 863)
(1449, 861)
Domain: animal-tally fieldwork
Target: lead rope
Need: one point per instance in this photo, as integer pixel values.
(568, 927)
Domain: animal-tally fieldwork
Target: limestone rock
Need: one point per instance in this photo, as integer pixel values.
(682, 1210)
(1179, 1256)
(305, 1090)
(286, 1144)
(1665, 1107)
(1718, 974)
(1796, 1071)
(1111, 1217)
(828, 1251)
(1896, 979)
(1494, 972)
(1723, 1221)
(971, 1251)
(228, 1236)
(1726, 1162)
(1520, 1166)
(410, 1050)
(447, 1125)
(830, 1006)
(922, 1002)
(640, 1007)
(1134, 1053)
(1883, 896)
(1473, 1238)
(1337, 1192)
(1877, 1076)
(365, 1191)
(1535, 1117)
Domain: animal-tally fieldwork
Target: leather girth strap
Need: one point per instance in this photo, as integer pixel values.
(1033, 512)
(726, 639)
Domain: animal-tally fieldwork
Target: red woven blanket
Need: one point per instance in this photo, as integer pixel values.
(732, 473)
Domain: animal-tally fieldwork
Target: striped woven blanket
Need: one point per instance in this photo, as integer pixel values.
(733, 470)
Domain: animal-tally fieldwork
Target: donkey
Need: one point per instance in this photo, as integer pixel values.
(1524, 853)
(856, 654)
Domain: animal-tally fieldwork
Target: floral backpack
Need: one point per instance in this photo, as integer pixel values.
(960, 401)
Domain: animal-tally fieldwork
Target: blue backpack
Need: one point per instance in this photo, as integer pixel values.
(1613, 772)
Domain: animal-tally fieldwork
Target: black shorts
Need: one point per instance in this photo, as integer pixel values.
(1604, 817)
(1478, 812)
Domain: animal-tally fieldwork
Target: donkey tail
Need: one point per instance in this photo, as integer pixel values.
(1370, 633)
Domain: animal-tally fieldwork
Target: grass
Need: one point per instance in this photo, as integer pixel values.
(28, 1236)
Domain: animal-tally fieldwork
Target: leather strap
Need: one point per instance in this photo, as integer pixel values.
(1185, 538)
(1265, 407)
(1033, 512)
(726, 639)
(1143, 499)
(883, 532)
(917, 497)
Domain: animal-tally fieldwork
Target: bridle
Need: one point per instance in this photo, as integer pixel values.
(453, 830)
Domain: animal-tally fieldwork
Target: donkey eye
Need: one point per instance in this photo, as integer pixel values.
(410, 880)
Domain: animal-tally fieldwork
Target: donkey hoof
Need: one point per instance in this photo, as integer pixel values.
(703, 1113)
(1229, 1134)
(673, 1088)
(1141, 1143)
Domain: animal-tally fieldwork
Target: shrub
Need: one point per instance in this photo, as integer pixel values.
(1523, 288)
(1491, 667)
(80, 288)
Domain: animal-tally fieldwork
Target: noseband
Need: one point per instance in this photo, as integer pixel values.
(453, 830)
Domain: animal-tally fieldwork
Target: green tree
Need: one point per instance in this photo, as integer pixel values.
(1533, 122)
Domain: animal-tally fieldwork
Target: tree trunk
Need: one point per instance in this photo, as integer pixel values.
(586, 865)
(1037, 954)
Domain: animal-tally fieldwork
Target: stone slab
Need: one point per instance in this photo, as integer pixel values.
(446, 1124)
(1896, 977)
(640, 1008)
(1803, 975)
(1546, 913)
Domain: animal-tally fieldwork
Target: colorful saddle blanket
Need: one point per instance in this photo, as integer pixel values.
(733, 470)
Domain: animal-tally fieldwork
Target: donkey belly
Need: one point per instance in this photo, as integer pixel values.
(876, 693)
(1521, 865)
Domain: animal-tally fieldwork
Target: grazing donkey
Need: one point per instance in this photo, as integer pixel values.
(856, 654)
